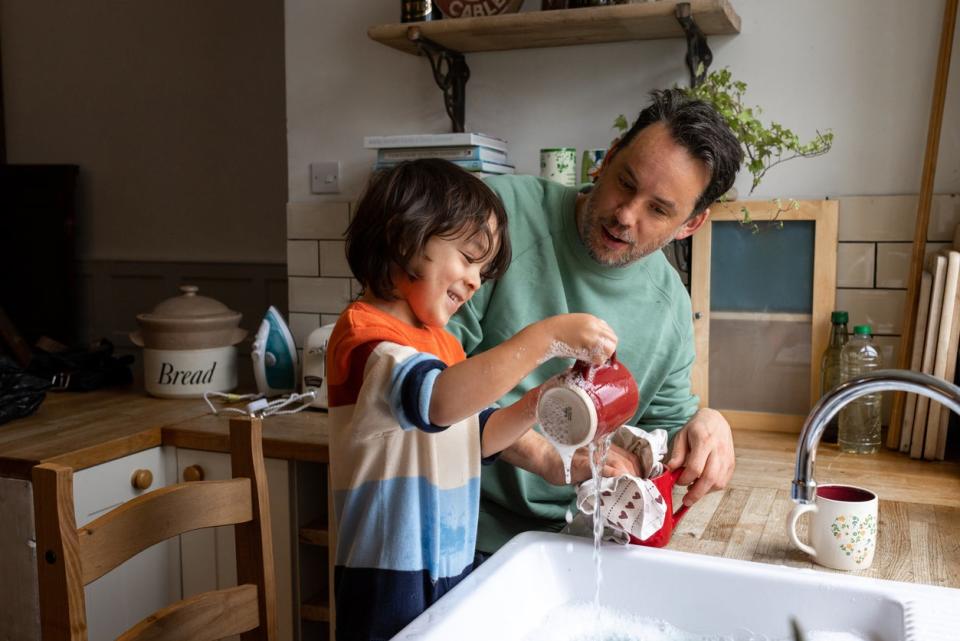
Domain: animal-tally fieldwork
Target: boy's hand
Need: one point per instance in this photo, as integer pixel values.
(581, 336)
(534, 453)
(619, 461)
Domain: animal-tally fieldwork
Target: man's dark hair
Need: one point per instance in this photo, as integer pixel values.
(404, 206)
(697, 127)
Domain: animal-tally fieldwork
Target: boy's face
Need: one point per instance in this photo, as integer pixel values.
(643, 199)
(449, 275)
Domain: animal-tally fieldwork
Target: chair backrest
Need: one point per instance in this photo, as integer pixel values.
(69, 558)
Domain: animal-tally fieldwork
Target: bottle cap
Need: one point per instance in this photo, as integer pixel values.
(862, 330)
(839, 317)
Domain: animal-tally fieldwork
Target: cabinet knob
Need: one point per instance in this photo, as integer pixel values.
(141, 479)
(193, 473)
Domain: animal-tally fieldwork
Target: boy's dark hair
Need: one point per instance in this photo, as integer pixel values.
(402, 207)
(697, 127)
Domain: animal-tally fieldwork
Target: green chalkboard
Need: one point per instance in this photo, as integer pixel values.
(770, 271)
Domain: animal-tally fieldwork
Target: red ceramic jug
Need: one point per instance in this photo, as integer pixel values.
(661, 537)
(587, 402)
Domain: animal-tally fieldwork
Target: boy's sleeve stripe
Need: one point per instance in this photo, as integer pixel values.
(411, 389)
(417, 392)
(425, 394)
(484, 415)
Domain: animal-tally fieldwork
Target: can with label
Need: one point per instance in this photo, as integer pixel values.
(419, 11)
(590, 164)
(559, 165)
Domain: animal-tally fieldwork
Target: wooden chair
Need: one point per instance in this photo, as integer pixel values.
(69, 558)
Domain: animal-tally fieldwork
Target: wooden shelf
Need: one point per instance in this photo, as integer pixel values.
(315, 533)
(561, 28)
(444, 42)
(315, 610)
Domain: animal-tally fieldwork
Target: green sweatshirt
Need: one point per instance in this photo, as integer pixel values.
(645, 303)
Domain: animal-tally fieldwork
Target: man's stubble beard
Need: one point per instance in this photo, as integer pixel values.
(590, 231)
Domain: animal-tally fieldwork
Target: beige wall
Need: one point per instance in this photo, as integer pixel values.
(175, 112)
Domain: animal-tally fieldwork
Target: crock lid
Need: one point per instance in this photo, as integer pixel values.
(191, 307)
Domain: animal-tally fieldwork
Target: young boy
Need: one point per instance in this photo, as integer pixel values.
(411, 417)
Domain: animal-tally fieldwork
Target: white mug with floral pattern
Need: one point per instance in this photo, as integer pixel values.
(843, 527)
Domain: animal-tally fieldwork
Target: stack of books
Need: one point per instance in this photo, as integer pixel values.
(477, 153)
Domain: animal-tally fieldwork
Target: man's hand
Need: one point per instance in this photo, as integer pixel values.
(704, 446)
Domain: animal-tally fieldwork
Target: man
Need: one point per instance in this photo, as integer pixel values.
(598, 252)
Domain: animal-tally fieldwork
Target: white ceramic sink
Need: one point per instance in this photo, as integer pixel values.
(536, 573)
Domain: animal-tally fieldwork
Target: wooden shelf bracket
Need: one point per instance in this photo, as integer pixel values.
(450, 72)
(583, 26)
(699, 57)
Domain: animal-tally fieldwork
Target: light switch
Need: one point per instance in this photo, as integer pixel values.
(325, 177)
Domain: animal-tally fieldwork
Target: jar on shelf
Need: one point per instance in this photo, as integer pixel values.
(419, 11)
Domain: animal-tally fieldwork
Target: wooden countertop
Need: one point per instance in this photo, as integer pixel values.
(918, 539)
(919, 534)
(296, 437)
(82, 430)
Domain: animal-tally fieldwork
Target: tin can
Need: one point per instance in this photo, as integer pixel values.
(559, 165)
(590, 164)
(419, 11)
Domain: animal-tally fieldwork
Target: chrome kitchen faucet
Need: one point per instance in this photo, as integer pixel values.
(804, 487)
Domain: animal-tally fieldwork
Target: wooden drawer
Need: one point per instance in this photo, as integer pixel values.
(103, 487)
(151, 579)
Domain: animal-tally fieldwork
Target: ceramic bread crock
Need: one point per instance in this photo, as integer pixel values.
(189, 346)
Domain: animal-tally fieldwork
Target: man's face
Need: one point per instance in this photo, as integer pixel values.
(643, 199)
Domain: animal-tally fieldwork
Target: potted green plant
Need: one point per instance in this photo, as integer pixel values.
(764, 146)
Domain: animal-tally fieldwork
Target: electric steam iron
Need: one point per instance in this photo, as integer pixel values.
(274, 356)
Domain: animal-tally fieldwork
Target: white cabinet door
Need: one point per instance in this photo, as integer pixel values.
(208, 560)
(151, 579)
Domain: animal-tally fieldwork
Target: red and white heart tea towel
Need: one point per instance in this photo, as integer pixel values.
(628, 504)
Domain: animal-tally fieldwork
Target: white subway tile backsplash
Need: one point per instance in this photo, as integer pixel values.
(893, 264)
(893, 261)
(333, 259)
(319, 295)
(855, 264)
(303, 258)
(301, 325)
(944, 217)
(932, 248)
(879, 308)
(318, 278)
(888, 346)
(317, 220)
(868, 218)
